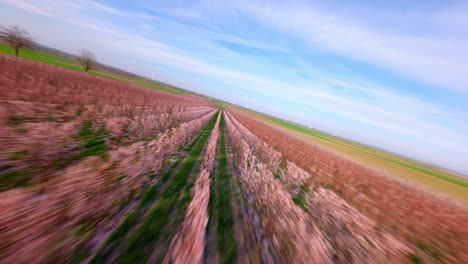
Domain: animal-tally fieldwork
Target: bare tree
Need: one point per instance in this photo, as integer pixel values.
(87, 60)
(17, 38)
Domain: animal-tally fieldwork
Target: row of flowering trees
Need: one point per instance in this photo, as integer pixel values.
(77, 150)
(286, 199)
(274, 204)
(188, 244)
(408, 212)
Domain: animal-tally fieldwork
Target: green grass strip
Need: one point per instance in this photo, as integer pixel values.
(225, 223)
(141, 242)
(149, 195)
(43, 57)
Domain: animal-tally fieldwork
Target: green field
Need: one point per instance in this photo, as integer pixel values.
(446, 182)
(43, 57)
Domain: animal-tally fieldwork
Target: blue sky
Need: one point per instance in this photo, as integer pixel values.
(393, 74)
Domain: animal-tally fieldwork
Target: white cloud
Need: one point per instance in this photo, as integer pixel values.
(27, 6)
(439, 60)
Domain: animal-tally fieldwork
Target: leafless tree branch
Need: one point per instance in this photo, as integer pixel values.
(87, 60)
(17, 38)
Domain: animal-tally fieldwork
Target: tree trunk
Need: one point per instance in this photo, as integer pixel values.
(17, 52)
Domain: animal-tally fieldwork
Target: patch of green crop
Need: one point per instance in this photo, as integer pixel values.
(119, 179)
(6, 167)
(86, 131)
(110, 244)
(429, 249)
(15, 120)
(94, 141)
(16, 178)
(19, 155)
(83, 228)
(80, 255)
(299, 199)
(300, 202)
(276, 175)
(414, 259)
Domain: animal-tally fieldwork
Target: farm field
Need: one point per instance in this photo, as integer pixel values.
(95, 169)
(445, 182)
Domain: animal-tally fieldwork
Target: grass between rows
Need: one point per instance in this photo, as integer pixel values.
(149, 195)
(173, 200)
(220, 204)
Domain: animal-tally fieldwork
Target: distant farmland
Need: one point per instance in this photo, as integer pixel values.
(99, 169)
(437, 179)
(72, 64)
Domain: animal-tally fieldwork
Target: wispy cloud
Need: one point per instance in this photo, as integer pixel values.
(438, 59)
(27, 6)
(145, 26)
